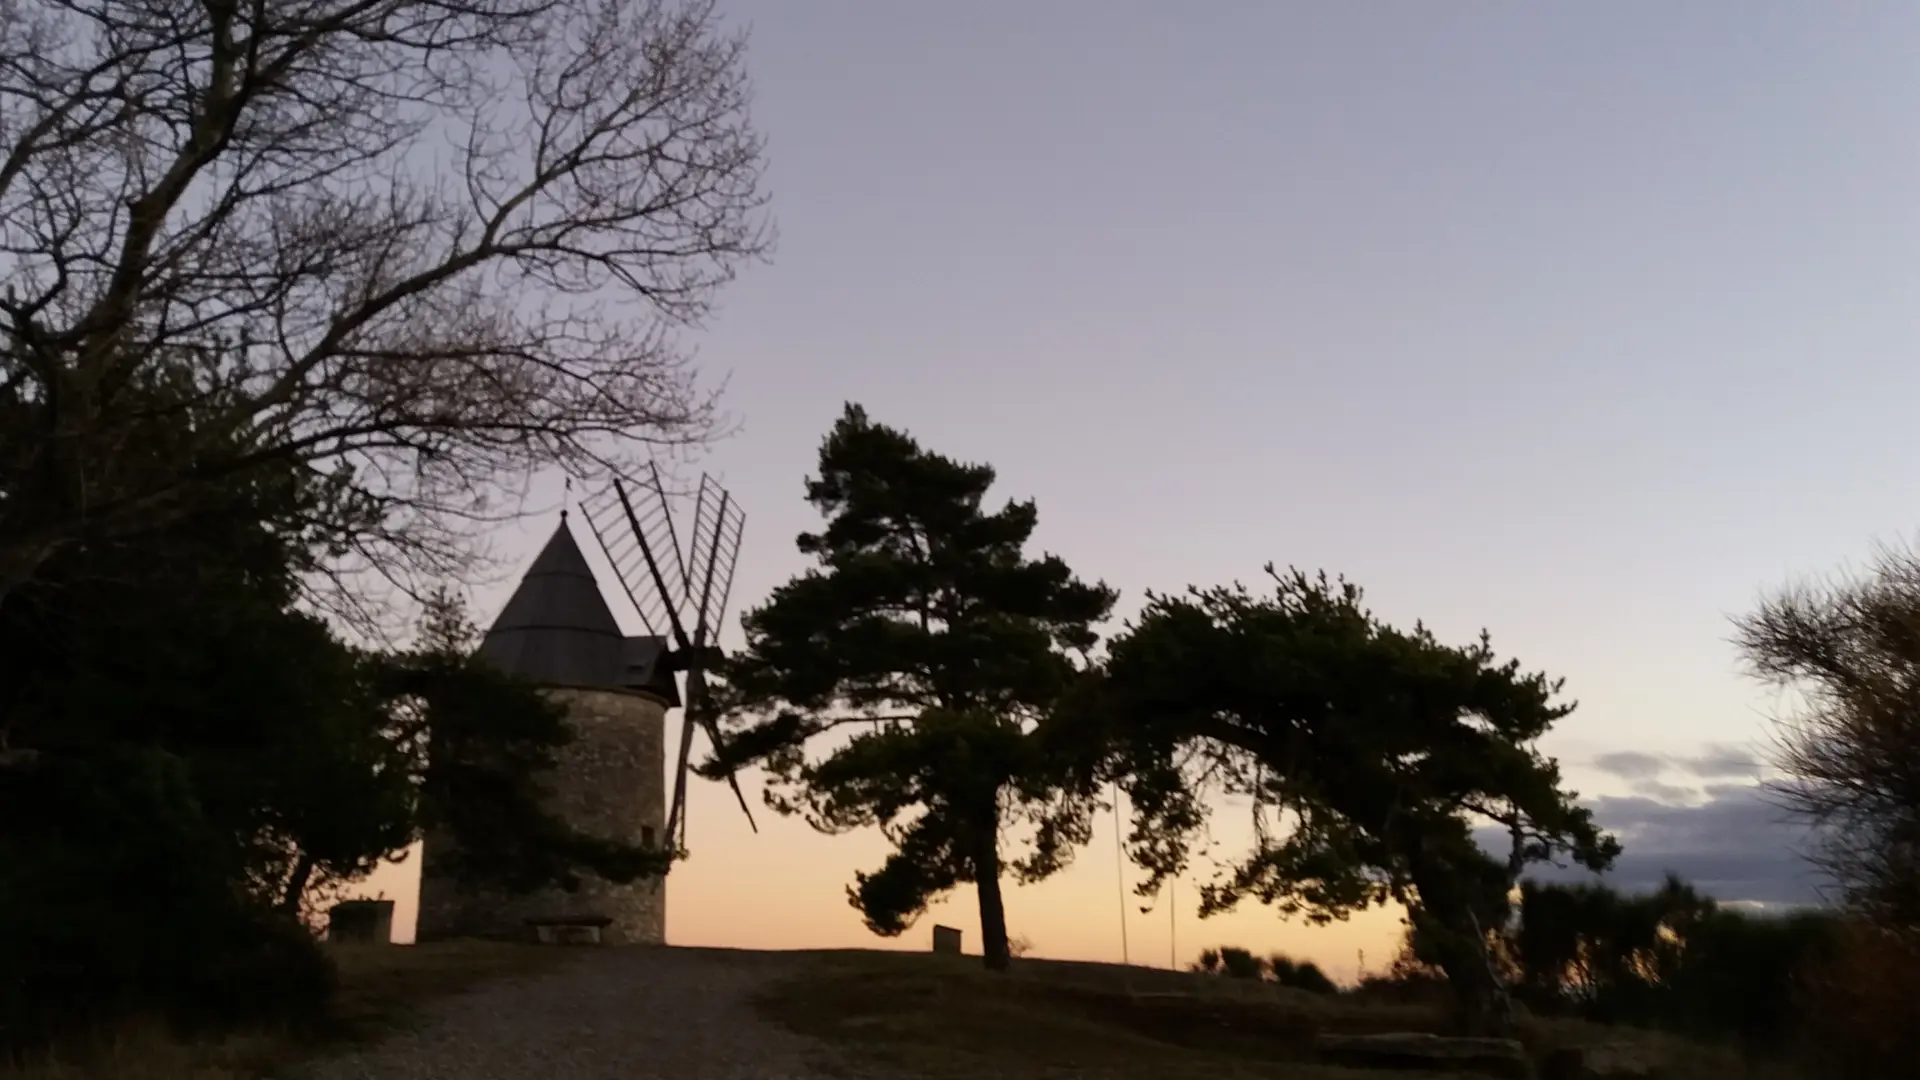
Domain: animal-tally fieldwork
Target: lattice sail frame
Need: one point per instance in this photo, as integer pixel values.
(714, 550)
(670, 585)
(628, 548)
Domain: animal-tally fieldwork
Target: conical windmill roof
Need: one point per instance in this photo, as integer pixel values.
(557, 630)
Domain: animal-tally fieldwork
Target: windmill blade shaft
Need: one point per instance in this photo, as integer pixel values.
(697, 712)
(713, 732)
(676, 810)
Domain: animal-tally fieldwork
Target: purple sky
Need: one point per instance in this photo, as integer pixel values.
(1583, 323)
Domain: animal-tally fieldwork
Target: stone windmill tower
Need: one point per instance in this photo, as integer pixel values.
(558, 633)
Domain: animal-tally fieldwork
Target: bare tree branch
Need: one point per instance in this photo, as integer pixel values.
(1850, 756)
(424, 248)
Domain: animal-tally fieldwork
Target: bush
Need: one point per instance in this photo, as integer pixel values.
(1670, 959)
(115, 904)
(271, 972)
(1237, 963)
(1409, 980)
(1858, 1003)
(1743, 976)
(1300, 974)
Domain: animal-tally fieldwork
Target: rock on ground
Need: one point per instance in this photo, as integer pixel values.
(616, 1014)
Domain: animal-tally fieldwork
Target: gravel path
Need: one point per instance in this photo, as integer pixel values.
(622, 1014)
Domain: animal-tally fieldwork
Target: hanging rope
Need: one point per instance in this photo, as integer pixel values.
(1173, 924)
(1120, 873)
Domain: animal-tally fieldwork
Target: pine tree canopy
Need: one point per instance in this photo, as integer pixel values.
(925, 631)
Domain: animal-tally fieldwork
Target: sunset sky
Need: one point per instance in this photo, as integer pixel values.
(1582, 323)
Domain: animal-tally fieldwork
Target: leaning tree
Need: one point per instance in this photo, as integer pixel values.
(1369, 754)
(926, 629)
(420, 249)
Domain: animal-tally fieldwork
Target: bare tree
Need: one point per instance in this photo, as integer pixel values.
(419, 248)
(1850, 755)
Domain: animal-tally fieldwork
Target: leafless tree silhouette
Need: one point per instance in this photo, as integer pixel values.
(1850, 754)
(418, 248)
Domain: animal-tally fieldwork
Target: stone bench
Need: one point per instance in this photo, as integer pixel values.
(569, 929)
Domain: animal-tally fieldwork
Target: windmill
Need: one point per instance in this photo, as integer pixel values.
(671, 586)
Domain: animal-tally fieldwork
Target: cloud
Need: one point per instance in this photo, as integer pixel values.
(1736, 847)
(1722, 762)
(1663, 791)
(1675, 778)
(1631, 764)
(1716, 761)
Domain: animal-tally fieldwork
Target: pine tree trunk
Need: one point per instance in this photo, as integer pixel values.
(1479, 996)
(986, 878)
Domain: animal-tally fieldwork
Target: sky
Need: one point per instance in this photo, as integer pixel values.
(1585, 324)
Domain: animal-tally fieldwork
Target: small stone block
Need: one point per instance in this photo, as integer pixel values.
(946, 940)
(368, 922)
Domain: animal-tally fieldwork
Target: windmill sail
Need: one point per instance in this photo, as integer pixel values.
(672, 587)
(641, 544)
(718, 524)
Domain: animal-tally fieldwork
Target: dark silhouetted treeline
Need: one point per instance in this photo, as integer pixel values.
(1807, 983)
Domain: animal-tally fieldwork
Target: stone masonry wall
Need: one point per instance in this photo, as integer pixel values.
(611, 782)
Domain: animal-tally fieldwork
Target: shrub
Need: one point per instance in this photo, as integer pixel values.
(1742, 975)
(1230, 961)
(1408, 980)
(1234, 962)
(1858, 1001)
(271, 971)
(1300, 974)
(1238, 963)
(115, 903)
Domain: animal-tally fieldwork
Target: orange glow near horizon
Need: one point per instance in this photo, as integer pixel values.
(785, 888)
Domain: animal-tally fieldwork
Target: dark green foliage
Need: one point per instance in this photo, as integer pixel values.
(116, 898)
(1591, 948)
(925, 628)
(480, 743)
(1743, 975)
(187, 754)
(1373, 746)
(1671, 959)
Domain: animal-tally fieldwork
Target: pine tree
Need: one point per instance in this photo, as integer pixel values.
(1369, 753)
(926, 631)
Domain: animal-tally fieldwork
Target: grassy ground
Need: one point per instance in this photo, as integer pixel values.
(945, 1017)
(381, 986)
